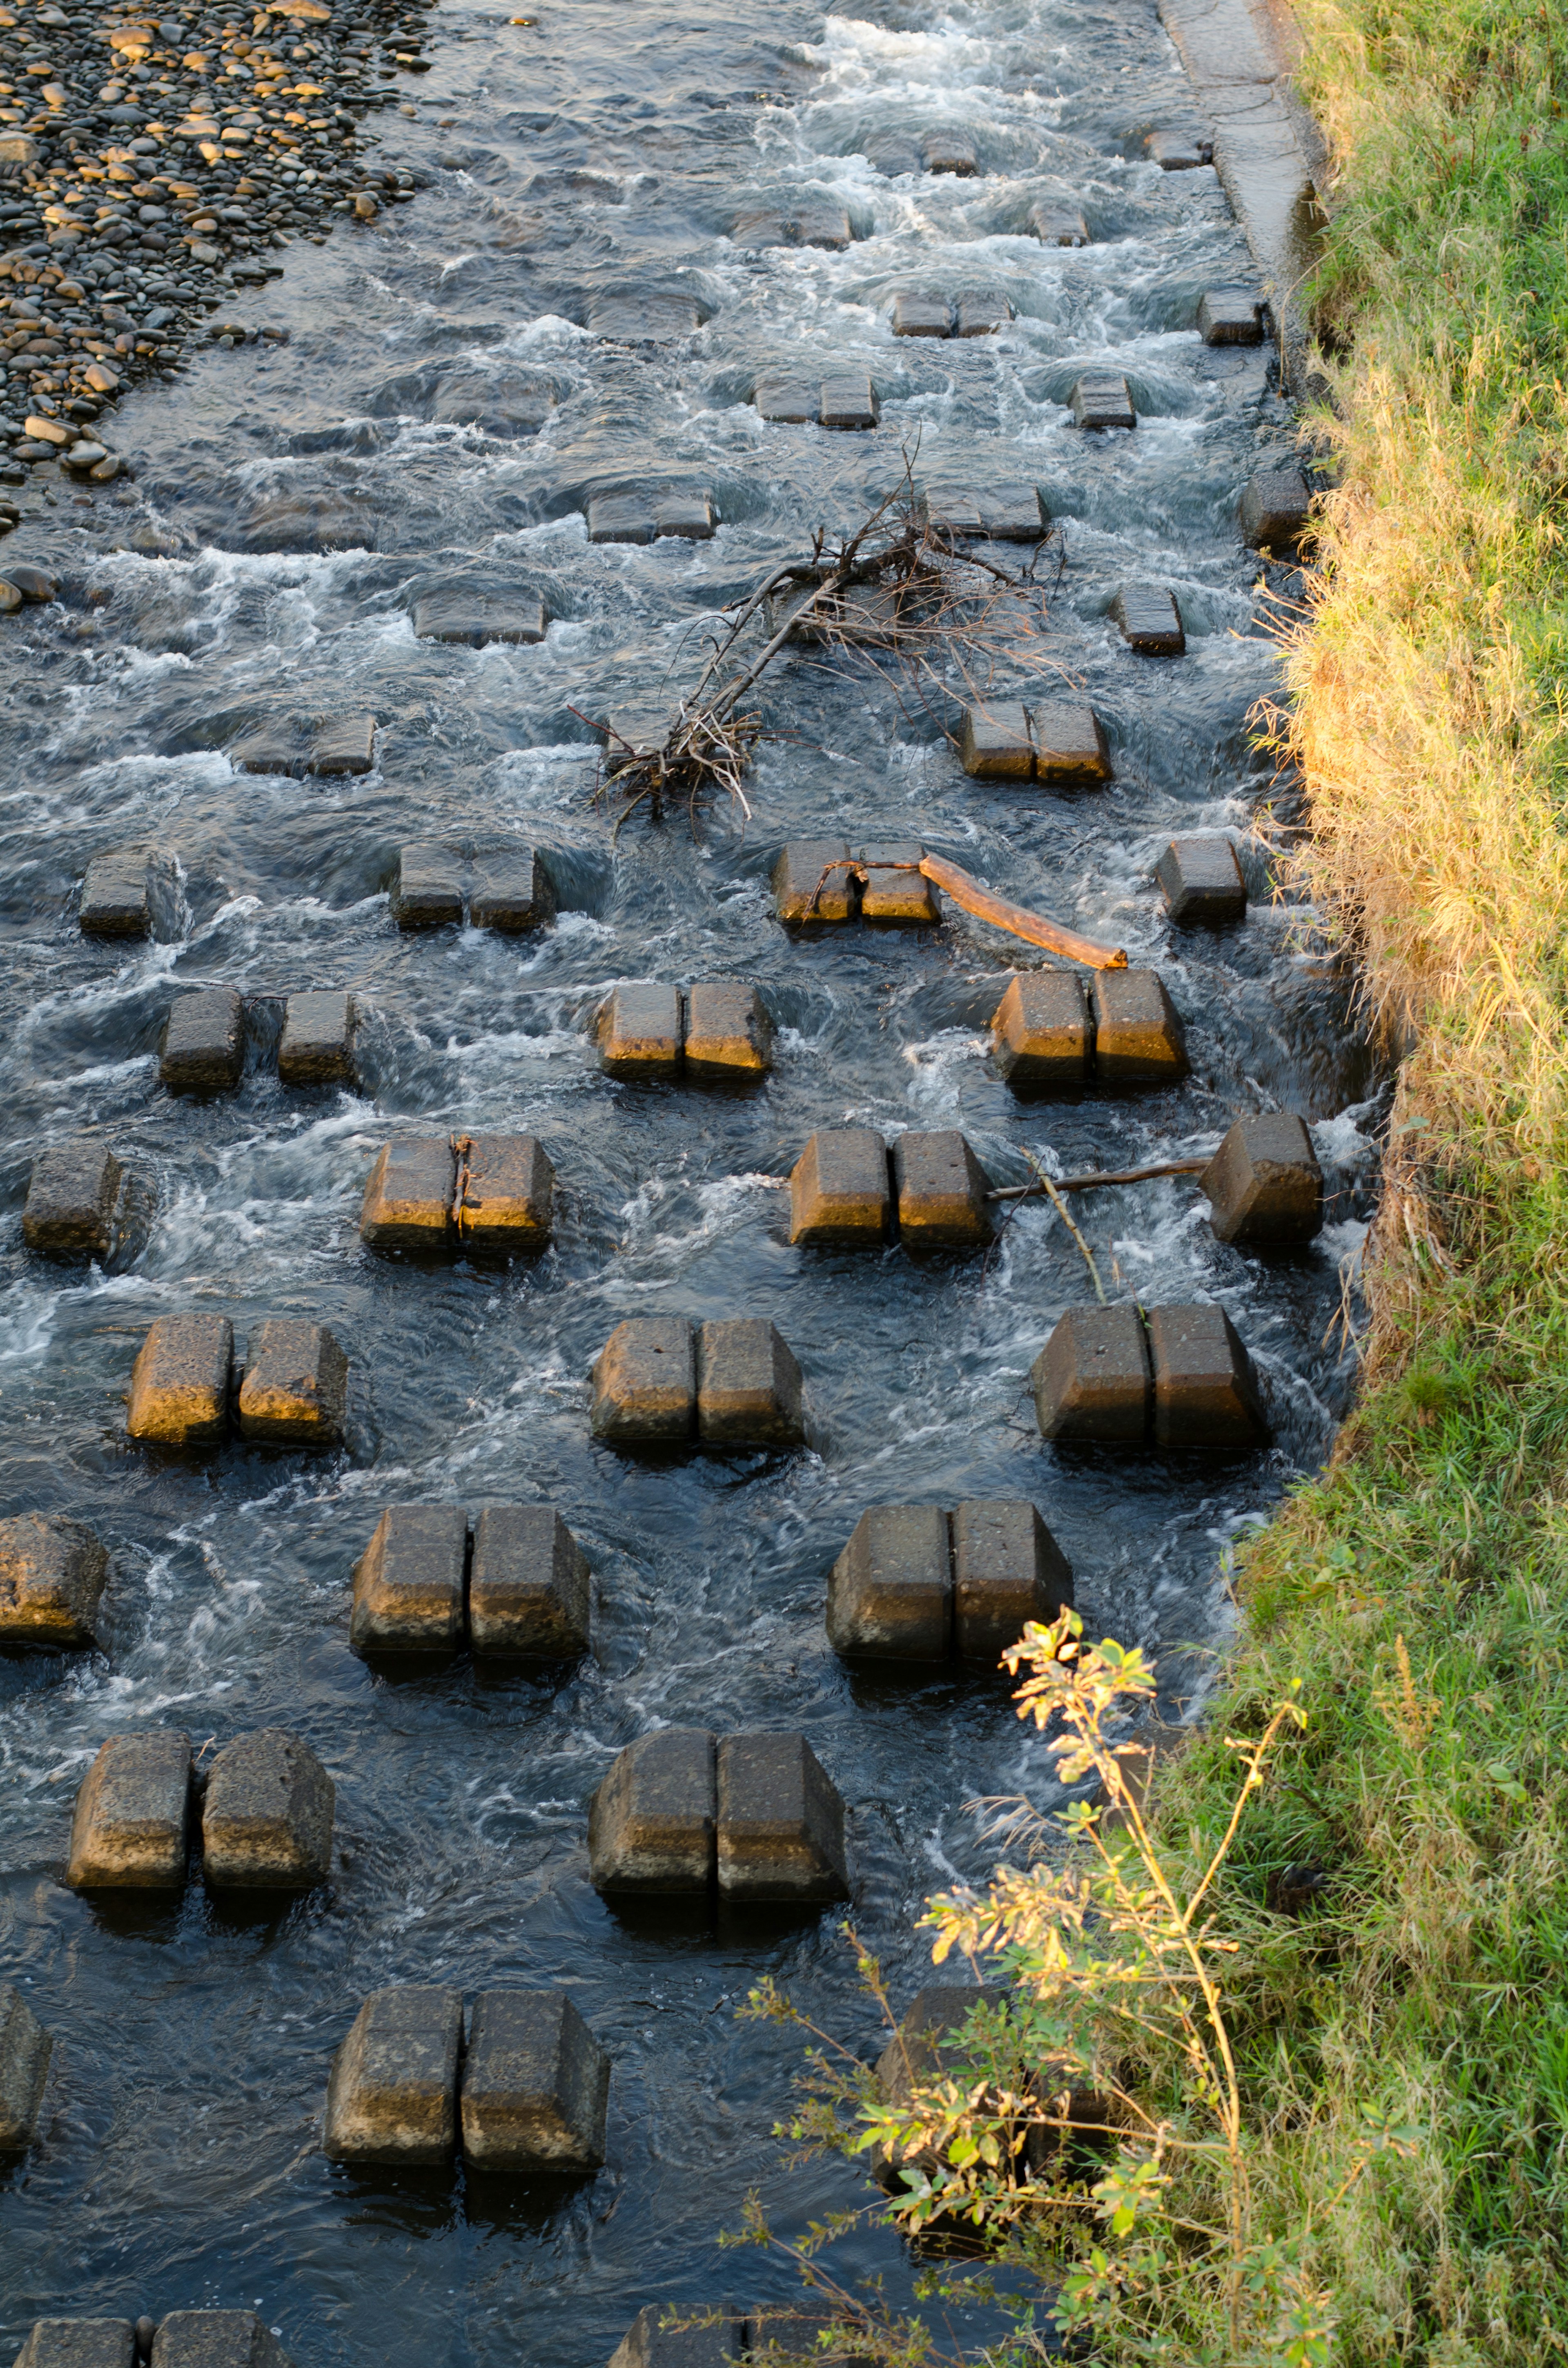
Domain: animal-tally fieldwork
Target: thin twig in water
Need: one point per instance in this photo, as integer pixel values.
(1065, 1215)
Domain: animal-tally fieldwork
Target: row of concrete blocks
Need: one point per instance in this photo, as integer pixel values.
(186, 1390)
(719, 1028)
(514, 1584)
(1175, 1377)
(848, 399)
(266, 1816)
(817, 881)
(485, 1196)
(185, 2339)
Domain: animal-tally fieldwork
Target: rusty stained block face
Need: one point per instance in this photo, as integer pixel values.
(408, 1200)
(295, 1389)
(780, 1822)
(1008, 1568)
(1139, 1037)
(530, 1588)
(749, 1389)
(1040, 1033)
(640, 1031)
(905, 897)
(505, 1205)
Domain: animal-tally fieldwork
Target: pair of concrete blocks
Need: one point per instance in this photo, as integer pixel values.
(132, 891)
(293, 744)
(917, 1583)
(266, 1816)
(841, 399)
(510, 891)
(659, 1381)
(846, 1191)
(808, 222)
(53, 1574)
(484, 1196)
(185, 2338)
(474, 618)
(528, 2093)
(1008, 513)
(1230, 316)
(82, 1203)
(1048, 1035)
(686, 514)
(1102, 399)
(1275, 510)
(292, 1392)
(515, 1587)
(1150, 620)
(25, 2049)
(1124, 1376)
(813, 882)
(755, 1817)
(1201, 881)
(920, 315)
(1044, 740)
(719, 1029)
(203, 1049)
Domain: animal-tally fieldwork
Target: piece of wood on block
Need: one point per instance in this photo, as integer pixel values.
(980, 313)
(820, 221)
(621, 517)
(392, 2094)
(535, 2085)
(799, 871)
(79, 2344)
(847, 400)
(429, 891)
(1150, 620)
(1102, 399)
(51, 1580)
(477, 617)
(997, 744)
(131, 892)
(950, 152)
(266, 1815)
(407, 1207)
(644, 1384)
(1008, 1568)
(296, 1385)
(729, 1034)
(1264, 1185)
(506, 1205)
(341, 744)
(1205, 1390)
(408, 1583)
(317, 1043)
(780, 1822)
(1091, 1380)
(1069, 742)
(1057, 222)
(512, 891)
(25, 2049)
(917, 315)
(216, 2339)
(652, 1821)
(1179, 148)
(640, 1031)
(748, 1385)
(941, 1191)
(685, 516)
(1040, 1033)
(891, 1595)
(530, 1587)
(1275, 506)
(73, 1195)
(1201, 881)
(649, 2344)
(1139, 1037)
(787, 398)
(203, 1049)
(179, 1384)
(130, 1829)
(1230, 316)
(906, 898)
(839, 1192)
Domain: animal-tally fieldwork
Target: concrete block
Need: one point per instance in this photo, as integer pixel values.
(640, 1031)
(25, 2049)
(408, 1200)
(1010, 513)
(948, 151)
(819, 222)
(408, 1583)
(476, 618)
(1091, 1380)
(748, 1385)
(344, 744)
(296, 1385)
(1179, 149)
(893, 154)
(924, 2044)
(1069, 743)
(634, 732)
(757, 226)
(914, 315)
(535, 2085)
(203, 1049)
(72, 1197)
(728, 1031)
(787, 398)
(1202, 880)
(1275, 507)
(1230, 316)
(1102, 399)
(1008, 1568)
(79, 2344)
(506, 1199)
(511, 892)
(392, 2094)
(796, 874)
(688, 517)
(620, 517)
(179, 1384)
(530, 1587)
(1150, 620)
(131, 1830)
(839, 1192)
(216, 2339)
(891, 1595)
(647, 2344)
(1040, 1033)
(52, 1579)
(906, 898)
(639, 320)
(1264, 1184)
(317, 1044)
(780, 1822)
(274, 747)
(133, 893)
(1056, 224)
(429, 892)
(997, 744)
(653, 1819)
(1139, 1038)
(266, 1815)
(940, 1188)
(1205, 1389)
(981, 315)
(847, 400)
(644, 1382)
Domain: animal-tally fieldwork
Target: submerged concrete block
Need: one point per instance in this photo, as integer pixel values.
(1055, 222)
(819, 222)
(644, 1384)
(1040, 1035)
(941, 1189)
(647, 2344)
(528, 1588)
(535, 2085)
(1201, 880)
(948, 151)
(1008, 1568)
(511, 892)
(72, 1197)
(1264, 1184)
(79, 2344)
(914, 315)
(780, 1822)
(179, 1384)
(204, 1043)
(216, 2339)
(640, 1032)
(653, 1819)
(636, 319)
(130, 1829)
(998, 513)
(1069, 742)
(51, 1580)
(429, 891)
(797, 874)
(1230, 316)
(266, 1815)
(998, 745)
(1102, 399)
(392, 2094)
(1139, 1037)
(476, 618)
(728, 1030)
(787, 398)
(687, 515)
(1205, 1389)
(906, 898)
(839, 1189)
(317, 1044)
(847, 399)
(1276, 505)
(408, 1200)
(1150, 620)
(890, 1594)
(295, 1389)
(1092, 1381)
(344, 744)
(408, 1584)
(506, 1196)
(620, 517)
(1179, 148)
(132, 892)
(748, 1385)
(25, 2049)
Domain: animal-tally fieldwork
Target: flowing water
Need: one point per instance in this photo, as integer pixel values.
(604, 151)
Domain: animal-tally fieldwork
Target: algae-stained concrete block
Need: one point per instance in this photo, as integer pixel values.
(686, 516)
(1205, 1389)
(506, 1205)
(640, 1032)
(997, 744)
(1055, 222)
(392, 2094)
(780, 1822)
(948, 151)
(941, 1189)
(891, 1595)
(839, 1192)
(408, 1584)
(906, 898)
(344, 743)
(652, 1821)
(535, 2085)
(1040, 1033)
(476, 618)
(1230, 316)
(52, 1579)
(1008, 1568)
(131, 1826)
(980, 313)
(952, 510)
(748, 1385)
(728, 1031)
(914, 315)
(1275, 508)
(1139, 1037)
(130, 893)
(408, 1200)
(266, 1815)
(1091, 1380)
(511, 892)
(204, 1043)
(648, 2344)
(72, 1197)
(429, 892)
(1102, 399)
(1201, 881)
(1069, 742)
(25, 2051)
(529, 1587)
(1264, 1184)
(317, 1043)
(296, 1385)
(1150, 620)
(79, 2344)
(847, 399)
(216, 2339)
(644, 1384)
(620, 517)
(801, 894)
(179, 1384)
(1179, 148)
(787, 398)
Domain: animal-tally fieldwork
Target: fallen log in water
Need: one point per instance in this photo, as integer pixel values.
(976, 898)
